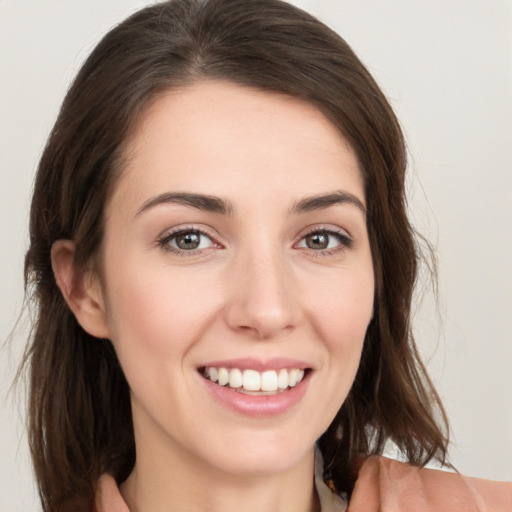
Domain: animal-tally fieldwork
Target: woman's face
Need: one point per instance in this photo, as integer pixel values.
(236, 248)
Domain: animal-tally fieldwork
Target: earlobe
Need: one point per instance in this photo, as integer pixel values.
(81, 290)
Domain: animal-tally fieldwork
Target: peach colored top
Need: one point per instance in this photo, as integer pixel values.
(384, 485)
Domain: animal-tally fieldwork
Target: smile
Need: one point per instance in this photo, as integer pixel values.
(250, 381)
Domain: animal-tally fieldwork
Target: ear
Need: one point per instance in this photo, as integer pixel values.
(81, 290)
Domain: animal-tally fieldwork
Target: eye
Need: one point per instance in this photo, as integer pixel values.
(186, 240)
(325, 240)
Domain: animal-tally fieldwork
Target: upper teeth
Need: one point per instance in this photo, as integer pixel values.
(252, 380)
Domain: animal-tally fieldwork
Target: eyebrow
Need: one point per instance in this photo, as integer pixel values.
(321, 201)
(216, 204)
(200, 201)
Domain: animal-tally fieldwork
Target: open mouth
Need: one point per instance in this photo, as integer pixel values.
(253, 382)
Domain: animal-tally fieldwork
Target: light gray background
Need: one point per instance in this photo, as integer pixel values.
(446, 66)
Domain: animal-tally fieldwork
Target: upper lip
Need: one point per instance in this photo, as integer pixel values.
(275, 363)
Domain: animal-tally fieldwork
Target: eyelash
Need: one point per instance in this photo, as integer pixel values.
(345, 242)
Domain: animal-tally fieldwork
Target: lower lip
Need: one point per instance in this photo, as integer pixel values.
(258, 405)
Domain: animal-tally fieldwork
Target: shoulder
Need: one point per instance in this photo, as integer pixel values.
(386, 485)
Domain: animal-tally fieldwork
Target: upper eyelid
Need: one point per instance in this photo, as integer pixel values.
(326, 229)
(169, 233)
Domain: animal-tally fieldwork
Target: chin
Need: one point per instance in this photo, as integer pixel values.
(262, 456)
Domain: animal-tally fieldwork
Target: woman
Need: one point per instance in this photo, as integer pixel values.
(224, 269)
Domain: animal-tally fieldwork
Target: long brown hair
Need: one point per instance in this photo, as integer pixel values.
(79, 409)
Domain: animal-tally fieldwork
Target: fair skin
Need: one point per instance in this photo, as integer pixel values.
(235, 238)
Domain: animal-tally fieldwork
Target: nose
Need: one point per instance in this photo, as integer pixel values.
(262, 295)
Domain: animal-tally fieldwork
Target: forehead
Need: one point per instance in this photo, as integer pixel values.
(221, 138)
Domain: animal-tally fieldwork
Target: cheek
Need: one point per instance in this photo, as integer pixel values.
(342, 312)
(156, 312)
(343, 307)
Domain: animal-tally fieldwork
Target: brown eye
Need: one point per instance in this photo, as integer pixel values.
(317, 241)
(326, 240)
(188, 241)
